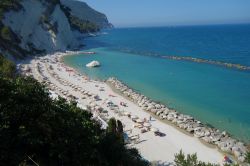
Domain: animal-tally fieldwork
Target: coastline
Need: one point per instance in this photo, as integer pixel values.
(124, 97)
(165, 121)
(207, 135)
(168, 122)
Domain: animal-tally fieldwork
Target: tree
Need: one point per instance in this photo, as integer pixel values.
(6, 33)
(119, 127)
(189, 160)
(248, 158)
(112, 126)
(33, 127)
(5, 5)
(7, 68)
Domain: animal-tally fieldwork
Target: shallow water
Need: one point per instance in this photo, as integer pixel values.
(215, 95)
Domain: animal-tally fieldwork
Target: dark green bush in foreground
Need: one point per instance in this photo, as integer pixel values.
(34, 127)
(7, 68)
(189, 160)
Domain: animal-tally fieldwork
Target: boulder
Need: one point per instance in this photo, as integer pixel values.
(93, 64)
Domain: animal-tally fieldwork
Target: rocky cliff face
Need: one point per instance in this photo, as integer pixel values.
(43, 26)
(76, 9)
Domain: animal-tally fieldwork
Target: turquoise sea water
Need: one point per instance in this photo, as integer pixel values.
(215, 95)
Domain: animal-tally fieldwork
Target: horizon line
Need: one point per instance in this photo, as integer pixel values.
(180, 25)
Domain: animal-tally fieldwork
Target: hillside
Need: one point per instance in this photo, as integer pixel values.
(43, 26)
(40, 131)
(88, 14)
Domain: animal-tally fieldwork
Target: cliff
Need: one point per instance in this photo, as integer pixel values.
(44, 26)
(87, 14)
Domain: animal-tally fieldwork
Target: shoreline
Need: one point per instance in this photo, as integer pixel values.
(225, 143)
(59, 58)
(169, 123)
(204, 139)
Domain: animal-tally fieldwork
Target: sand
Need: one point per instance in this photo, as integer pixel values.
(151, 147)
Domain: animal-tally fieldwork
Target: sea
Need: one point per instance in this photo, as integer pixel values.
(217, 95)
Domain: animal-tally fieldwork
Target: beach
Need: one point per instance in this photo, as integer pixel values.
(105, 103)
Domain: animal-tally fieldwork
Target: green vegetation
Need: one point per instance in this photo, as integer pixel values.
(248, 158)
(6, 5)
(9, 42)
(6, 33)
(36, 129)
(189, 160)
(7, 68)
(53, 1)
(8, 39)
(83, 26)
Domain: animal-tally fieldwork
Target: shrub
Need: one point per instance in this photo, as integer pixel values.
(6, 33)
(35, 128)
(7, 68)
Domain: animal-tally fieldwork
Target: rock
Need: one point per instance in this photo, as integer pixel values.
(237, 153)
(226, 149)
(241, 158)
(209, 135)
(153, 110)
(53, 31)
(207, 139)
(216, 137)
(158, 112)
(93, 64)
(190, 129)
(224, 133)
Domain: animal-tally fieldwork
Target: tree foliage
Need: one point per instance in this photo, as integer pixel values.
(6, 5)
(5, 33)
(248, 158)
(7, 68)
(111, 126)
(119, 127)
(189, 160)
(83, 26)
(35, 128)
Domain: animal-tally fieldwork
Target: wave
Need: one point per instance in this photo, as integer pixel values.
(188, 58)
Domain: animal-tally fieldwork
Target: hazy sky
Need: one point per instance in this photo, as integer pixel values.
(125, 13)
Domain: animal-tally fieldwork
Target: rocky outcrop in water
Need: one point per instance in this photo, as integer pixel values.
(212, 62)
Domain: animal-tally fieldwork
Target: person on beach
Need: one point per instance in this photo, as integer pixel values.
(150, 118)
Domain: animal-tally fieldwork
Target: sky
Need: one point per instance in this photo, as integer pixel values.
(139, 13)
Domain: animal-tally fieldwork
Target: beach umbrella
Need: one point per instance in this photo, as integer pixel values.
(126, 113)
(134, 117)
(139, 121)
(147, 124)
(154, 129)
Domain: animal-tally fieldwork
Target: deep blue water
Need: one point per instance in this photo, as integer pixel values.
(228, 43)
(213, 94)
